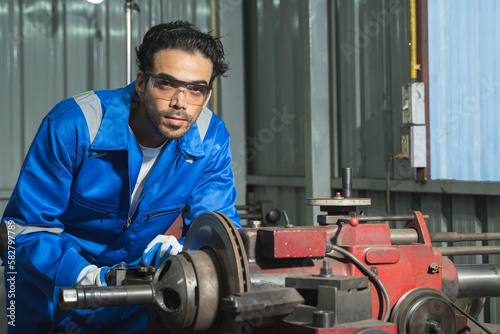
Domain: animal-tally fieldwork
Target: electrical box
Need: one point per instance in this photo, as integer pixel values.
(413, 142)
(413, 103)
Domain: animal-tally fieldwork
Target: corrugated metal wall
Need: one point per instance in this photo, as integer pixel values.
(276, 80)
(368, 57)
(464, 44)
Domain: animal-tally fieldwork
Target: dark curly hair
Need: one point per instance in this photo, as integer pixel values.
(180, 35)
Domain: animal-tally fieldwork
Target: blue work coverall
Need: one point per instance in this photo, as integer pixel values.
(70, 207)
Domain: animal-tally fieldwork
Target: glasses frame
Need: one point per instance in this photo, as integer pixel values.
(184, 83)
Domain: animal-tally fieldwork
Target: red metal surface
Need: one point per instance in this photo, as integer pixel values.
(418, 223)
(292, 242)
(363, 234)
(411, 270)
(385, 255)
(290, 328)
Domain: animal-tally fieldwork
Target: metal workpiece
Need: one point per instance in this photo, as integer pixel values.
(175, 293)
(478, 280)
(187, 292)
(92, 297)
(216, 232)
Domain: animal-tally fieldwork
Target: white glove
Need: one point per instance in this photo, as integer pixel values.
(92, 275)
(159, 249)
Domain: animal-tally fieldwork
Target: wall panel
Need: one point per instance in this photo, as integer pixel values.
(11, 134)
(464, 44)
(373, 63)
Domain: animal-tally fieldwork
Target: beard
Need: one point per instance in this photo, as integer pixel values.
(164, 128)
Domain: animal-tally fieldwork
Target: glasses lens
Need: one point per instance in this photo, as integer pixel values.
(169, 89)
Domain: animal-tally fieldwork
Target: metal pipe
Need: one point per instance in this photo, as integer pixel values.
(413, 36)
(215, 84)
(128, 27)
(92, 297)
(478, 280)
(469, 250)
(408, 236)
(454, 236)
(382, 218)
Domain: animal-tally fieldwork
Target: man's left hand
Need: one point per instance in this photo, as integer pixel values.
(159, 250)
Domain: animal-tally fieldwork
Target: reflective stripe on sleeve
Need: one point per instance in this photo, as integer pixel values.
(90, 104)
(10, 230)
(203, 122)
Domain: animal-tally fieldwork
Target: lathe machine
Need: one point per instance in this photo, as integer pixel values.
(350, 274)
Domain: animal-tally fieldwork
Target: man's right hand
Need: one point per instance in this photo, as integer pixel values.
(92, 275)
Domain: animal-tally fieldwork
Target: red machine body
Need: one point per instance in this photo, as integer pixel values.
(400, 267)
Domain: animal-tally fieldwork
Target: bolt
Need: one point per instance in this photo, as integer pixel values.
(255, 223)
(325, 271)
(434, 327)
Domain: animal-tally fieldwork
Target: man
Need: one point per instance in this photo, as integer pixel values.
(107, 175)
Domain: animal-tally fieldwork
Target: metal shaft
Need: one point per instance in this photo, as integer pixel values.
(388, 218)
(92, 297)
(469, 250)
(403, 236)
(478, 280)
(408, 236)
(347, 182)
(454, 236)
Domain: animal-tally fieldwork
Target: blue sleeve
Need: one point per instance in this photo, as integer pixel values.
(39, 198)
(215, 191)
